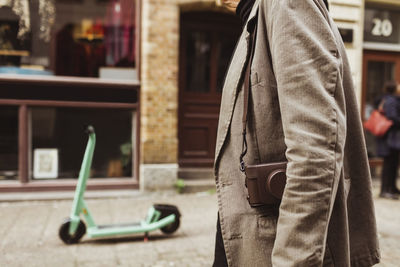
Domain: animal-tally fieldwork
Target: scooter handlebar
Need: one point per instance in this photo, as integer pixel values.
(90, 129)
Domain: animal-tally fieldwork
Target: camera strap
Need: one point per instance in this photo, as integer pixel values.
(246, 94)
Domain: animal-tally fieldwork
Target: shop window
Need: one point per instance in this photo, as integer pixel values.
(379, 72)
(59, 142)
(8, 143)
(84, 38)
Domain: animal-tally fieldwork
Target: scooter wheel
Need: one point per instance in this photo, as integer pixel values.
(172, 227)
(63, 232)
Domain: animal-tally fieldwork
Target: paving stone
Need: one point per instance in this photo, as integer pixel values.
(29, 232)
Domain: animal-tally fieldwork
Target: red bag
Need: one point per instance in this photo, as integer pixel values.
(378, 124)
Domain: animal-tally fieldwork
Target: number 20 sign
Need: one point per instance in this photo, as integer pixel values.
(382, 27)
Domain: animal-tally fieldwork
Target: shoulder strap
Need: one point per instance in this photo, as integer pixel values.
(246, 94)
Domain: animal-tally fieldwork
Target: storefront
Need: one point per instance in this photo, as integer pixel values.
(186, 46)
(381, 60)
(65, 65)
(90, 55)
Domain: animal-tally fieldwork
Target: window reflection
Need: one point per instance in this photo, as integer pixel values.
(378, 73)
(58, 137)
(85, 38)
(198, 61)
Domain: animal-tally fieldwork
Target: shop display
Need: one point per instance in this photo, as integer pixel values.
(21, 9)
(47, 13)
(67, 38)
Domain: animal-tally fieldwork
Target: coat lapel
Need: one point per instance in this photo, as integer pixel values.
(231, 86)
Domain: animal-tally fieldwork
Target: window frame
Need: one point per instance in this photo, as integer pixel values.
(12, 82)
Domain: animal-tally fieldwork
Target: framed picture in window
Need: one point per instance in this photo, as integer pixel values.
(45, 163)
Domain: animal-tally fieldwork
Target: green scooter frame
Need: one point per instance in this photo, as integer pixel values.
(160, 216)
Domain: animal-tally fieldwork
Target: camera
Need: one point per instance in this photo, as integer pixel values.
(265, 183)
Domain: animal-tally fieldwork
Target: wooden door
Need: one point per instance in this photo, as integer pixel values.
(378, 68)
(206, 46)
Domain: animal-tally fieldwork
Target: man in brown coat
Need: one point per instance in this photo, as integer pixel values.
(302, 109)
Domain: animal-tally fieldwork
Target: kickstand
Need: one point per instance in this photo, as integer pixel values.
(146, 237)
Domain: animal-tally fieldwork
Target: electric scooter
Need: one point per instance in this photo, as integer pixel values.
(160, 216)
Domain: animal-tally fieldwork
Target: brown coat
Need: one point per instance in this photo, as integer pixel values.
(303, 109)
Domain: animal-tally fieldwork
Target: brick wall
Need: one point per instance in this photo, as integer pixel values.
(159, 95)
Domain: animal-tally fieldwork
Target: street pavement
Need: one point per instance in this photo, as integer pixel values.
(29, 232)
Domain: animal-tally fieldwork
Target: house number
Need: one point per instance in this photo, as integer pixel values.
(382, 27)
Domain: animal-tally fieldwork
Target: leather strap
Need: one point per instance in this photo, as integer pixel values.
(246, 95)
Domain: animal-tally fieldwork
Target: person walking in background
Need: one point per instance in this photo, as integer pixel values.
(388, 146)
(302, 110)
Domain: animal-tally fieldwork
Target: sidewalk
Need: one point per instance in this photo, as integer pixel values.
(67, 195)
(388, 221)
(29, 232)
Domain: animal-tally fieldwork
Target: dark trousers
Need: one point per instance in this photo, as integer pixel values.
(219, 255)
(389, 172)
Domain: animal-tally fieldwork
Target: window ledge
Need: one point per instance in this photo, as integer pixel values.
(70, 81)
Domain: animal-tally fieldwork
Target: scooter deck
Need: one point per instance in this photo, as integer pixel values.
(132, 228)
(118, 225)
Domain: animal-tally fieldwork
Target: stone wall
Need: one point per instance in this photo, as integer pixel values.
(349, 14)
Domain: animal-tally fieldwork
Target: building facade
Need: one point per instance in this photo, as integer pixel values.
(157, 121)
(186, 47)
(381, 49)
(65, 65)
(183, 112)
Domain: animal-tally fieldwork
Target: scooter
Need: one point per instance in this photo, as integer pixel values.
(159, 216)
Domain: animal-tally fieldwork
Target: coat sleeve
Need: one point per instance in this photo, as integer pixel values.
(306, 64)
